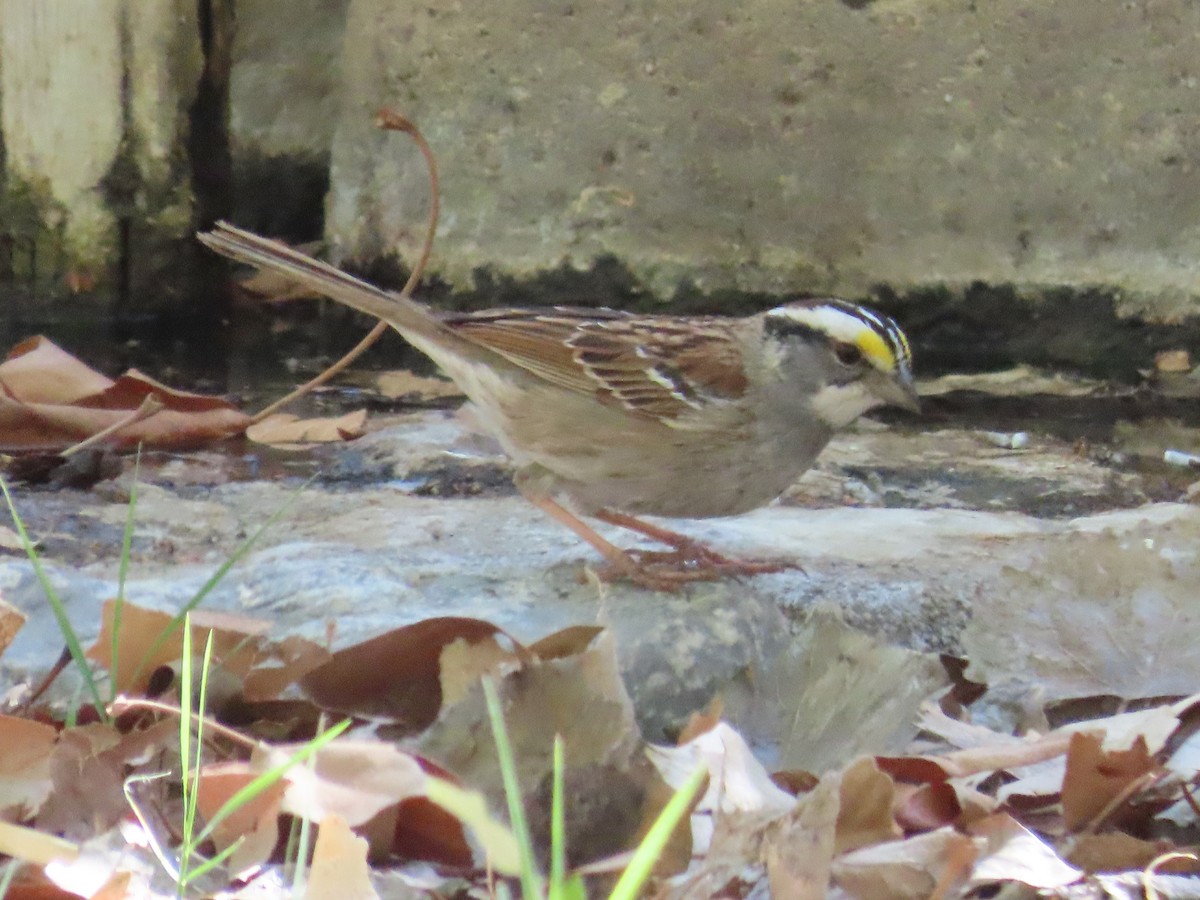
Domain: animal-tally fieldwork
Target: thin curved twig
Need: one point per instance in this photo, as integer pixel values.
(389, 120)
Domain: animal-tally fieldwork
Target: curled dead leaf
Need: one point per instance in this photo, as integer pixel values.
(397, 675)
(866, 818)
(240, 645)
(253, 825)
(353, 779)
(285, 430)
(339, 868)
(50, 400)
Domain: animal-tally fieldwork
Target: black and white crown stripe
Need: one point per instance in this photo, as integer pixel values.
(792, 317)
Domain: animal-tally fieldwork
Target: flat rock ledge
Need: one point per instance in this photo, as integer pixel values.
(366, 558)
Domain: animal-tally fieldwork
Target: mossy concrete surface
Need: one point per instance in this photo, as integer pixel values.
(94, 105)
(779, 146)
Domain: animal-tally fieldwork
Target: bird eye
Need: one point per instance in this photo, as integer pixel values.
(847, 354)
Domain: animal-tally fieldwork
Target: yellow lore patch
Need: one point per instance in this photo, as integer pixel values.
(875, 349)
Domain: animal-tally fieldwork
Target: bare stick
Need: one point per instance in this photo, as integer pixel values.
(149, 407)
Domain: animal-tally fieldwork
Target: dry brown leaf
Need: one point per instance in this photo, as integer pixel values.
(287, 430)
(339, 866)
(680, 848)
(1115, 852)
(11, 621)
(50, 400)
(396, 675)
(1154, 726)
(32, 884)
(279, 665)
(88, 767)
(462, 664)
(1095, 777)
(239, 644)
(928, 807)
(38, 371)
(974, 760)
(255, 824)
(906, 870)
(738, 783)
(798, 850)
(116, 888)
(583, 699)
(1013, 853)
(416, 388)
(25, 748)
(569, 641)
(349, 778)
(425, 831)
(1040, 782)
(105, 866)
(34, 846)
(867, 795)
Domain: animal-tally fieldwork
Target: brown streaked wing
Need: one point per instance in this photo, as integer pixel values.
(534, 339)
(663, 367)
(656, 366)
(707, 353)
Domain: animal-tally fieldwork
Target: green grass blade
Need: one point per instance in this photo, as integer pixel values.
(191, 761)
(201, 713)
(469, 807)
(185, 755)
(292, 849)
(209, 864)
(531, 879)
(6, 878)
(638, 872)
(304, 842)
(303, 848)
(56, 606)
(558, 825)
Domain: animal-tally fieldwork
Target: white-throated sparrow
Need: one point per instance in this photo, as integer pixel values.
(627, 414)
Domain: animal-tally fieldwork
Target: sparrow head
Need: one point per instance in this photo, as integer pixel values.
(858, 358)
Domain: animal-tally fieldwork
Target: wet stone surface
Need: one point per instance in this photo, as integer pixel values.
(904, 531)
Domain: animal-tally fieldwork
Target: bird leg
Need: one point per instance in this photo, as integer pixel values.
(695, 561)
(658, 570)
(618, 560)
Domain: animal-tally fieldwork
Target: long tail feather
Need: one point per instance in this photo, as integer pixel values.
(410, 318)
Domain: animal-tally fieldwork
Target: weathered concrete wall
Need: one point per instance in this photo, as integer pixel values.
(765, 146)
(285, 94)
(285, 87)
(774, 145)
(94, 103)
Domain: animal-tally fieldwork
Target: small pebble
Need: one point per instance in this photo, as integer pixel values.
(1017, 440)
(1181, 459)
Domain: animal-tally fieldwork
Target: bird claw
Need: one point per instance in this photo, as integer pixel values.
(669, 570)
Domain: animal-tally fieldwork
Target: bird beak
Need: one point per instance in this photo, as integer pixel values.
(898, 390)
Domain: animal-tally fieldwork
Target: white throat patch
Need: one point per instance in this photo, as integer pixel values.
(837, 405)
